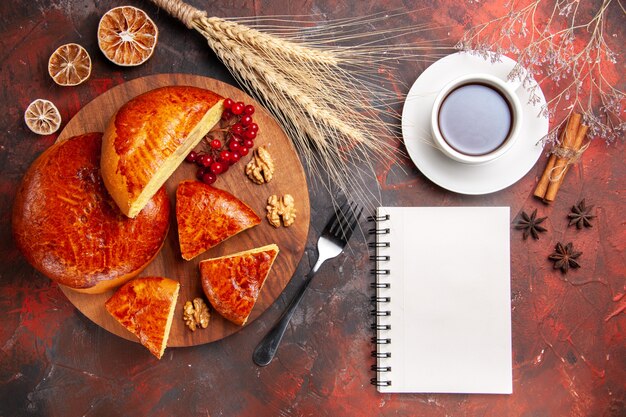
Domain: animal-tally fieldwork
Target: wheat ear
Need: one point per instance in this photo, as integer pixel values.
(331, 100)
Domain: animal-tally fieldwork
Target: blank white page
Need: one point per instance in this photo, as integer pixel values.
(450, 309)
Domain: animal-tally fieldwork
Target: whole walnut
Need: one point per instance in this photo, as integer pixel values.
(260, 169)
(281, 208)
(196, 314)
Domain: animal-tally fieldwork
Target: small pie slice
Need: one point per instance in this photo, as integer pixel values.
(232, 283)
(207, 216)
(145, 306)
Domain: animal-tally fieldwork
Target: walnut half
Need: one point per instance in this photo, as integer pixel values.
(278, 208)
(196, 314)
(260, 169)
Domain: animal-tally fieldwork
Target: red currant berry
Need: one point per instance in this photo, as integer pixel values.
(250, 134)
(236, 129)
(228, 103)
(217, 168)
(209, 178)
(225, 166)
(226, 115)
(248, 143)
(225, 156)
(246, 120)
(191, 157)
(254, 127)
(216, 144)
(237, 108)
(234, 145)
(206, 160)
(234, 157)
(249, 109)
(200, 172)
(243, 151)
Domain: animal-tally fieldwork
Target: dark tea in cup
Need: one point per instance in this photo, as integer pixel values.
(475, 119)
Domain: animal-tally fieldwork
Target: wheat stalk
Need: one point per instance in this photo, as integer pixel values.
(258, 40)
(331, 100)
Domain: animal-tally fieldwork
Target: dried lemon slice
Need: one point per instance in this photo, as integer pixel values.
(127, 36)
(42, 117)
(69, 65)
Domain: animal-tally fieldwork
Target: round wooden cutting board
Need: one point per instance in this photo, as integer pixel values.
(288, 178)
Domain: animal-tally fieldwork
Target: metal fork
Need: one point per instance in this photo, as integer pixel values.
(331, 243)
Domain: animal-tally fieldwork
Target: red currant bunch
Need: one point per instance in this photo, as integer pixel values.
(227, 144)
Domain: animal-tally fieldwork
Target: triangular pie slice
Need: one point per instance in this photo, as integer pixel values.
(145, 306)
(232, 283)
(207, 216)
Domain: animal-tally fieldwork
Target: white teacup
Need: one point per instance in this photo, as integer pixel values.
(476, 118)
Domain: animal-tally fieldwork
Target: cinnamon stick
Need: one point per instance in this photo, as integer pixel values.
(544, 181)
(566, 139)
(554, 186)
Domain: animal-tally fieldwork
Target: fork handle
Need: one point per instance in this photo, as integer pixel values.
(267, 347)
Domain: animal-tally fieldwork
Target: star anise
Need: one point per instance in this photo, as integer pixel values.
(564, 257)
(530, 224)
(581, 215)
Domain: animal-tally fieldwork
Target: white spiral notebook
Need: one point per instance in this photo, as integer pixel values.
(443, 310)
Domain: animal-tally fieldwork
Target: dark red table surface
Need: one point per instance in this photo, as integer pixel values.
(569, 354)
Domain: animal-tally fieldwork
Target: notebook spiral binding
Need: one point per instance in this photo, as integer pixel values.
(379, 302)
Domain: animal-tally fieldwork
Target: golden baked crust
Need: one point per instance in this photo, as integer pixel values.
(68, 227)
(207, 216)
(145, 306)
(148, 138)
(232, 283)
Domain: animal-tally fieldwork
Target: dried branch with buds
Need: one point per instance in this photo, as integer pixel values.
(569, 49)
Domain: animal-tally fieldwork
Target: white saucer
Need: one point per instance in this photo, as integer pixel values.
(455, 176)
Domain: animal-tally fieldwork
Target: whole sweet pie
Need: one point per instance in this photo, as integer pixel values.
(68, 227)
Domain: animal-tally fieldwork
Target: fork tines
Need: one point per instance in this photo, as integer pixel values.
(345, 221)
